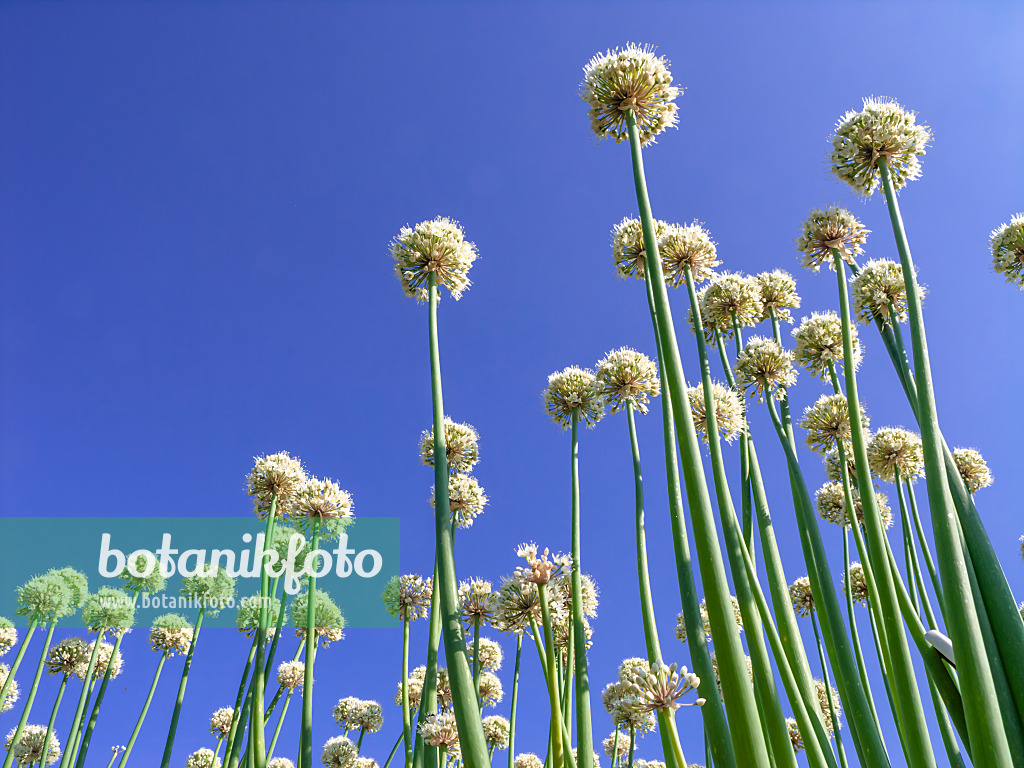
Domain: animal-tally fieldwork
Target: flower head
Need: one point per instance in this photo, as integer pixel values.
(778, 295)
(515, 603)
(561, 594)
(822, 691)
(527, 760)
(408, 597)
(220, 721)
(687, 246)
(108, 609)
(766, 367)
(466, 499)
(882, 129)
(146, 577)
(616, 746)
(328, 622)
(353, 714)
(277, 476)
(629, 79)
(8, 635)
(880, 293)
(542, 568)
(705, 620)
(105, 658)
(828, 422)
(437, 247)
(858, 583)
(491, 654)
(291, 674)
(833, 466)
(893, 450)
(66, 656)
(29, 749)
(171, 634)
(628, 708)
(248, 618)
(496, 731)
(211, 587)
(280, 762)
(461, 446)
(440, 730)
(795, 738)
(729, 418)
(801, 597)
(834, 227)
(339, 752)
(831, 503)
(323, 501)
(45, 597)
(414, 687)
(662, 686)
(574, 390)
(1007, 244)
(627, 377)
(12, 691)
(731, 296)
(203, 758)
(76, 582)
(476, 601)
(628, 248)
(819, 343)
(973, 469)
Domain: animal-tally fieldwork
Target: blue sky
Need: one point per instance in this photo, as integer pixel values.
(196, 201)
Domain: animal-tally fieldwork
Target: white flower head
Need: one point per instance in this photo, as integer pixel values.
(291, 674)
(203, 758)
(466, 499)
(276, 476)
(574, 390)
(800, 596)
(766, 367)
(29, 749)
(828, 423)
(824, 230)
(687, 246)
(220, 721)
(461, 446)
(437, 247)
(732, 298)
(819, 343)
(339, 752)
(880, 293)
(729, 417)
(1007, 243)
(628, 377)
(629, 249)
(778, 295)
(891, 449)
(973, 469)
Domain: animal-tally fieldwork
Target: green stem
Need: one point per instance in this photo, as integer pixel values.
(237, 712)
(515, 701)
(548, 662)
(53, 715)
(928, 560)
(584, 727)
(394, 749)
(17, 659)
(861, 665)
(477, 667)
(172, 730)
(259, 674)
(406, 714)
(281, 611)
(142, 714)
(828, 691)
(632, 743)
(423, 755)
(306, 731)
(82, 699)
(27, 710)
(280, 722)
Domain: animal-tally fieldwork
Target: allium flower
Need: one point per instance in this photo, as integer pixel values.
(794, 734)
(248, 618)
(490, 690)
(973, 469)
(574, 389)
(45, 597)
(438, 246)
(662, 687)
(831, 503)
(819, 343)
(705, 620)
(8, 635)
(858, 583)
(291, 674)
(690, 246)
(766, 367)
(364, 762)
(29, 749)
(1007, 244)
(407, 597)
(833, 467)
(879, 291)
(834, 227)
(891, 449)
(561, 592)
(800, 596)
(280, 762)
(496, 729)
(105, 658)
(476, 601)
(628, 246)
(466, 499)
(616, 746)
(277, 475)
(630, 709)
(728, 411)
(328, 622)
(12, 693)
(778, 294)
(343, 711)
(491, 654)
(659, 764)
(527, 760)
(828, 422)
(202, 758)
(822, 691)
(210, 587)
(730, 295)
(65, 657)
(631, 78)
(882, 129)
(339, 752)
(542, 568)
(76, 582)
(366, 717)
(461, 446)
(628, 377)
(108, 609)
(440, 730)
(171, 634)
(515, 602)
(323, 500)
(151, 583)
(414, 685)
(707, 327)
(281, 542)
(597, 758)
(220, 722)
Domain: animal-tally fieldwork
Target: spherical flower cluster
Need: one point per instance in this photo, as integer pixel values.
(662, 686)
(466, 499)
(574, 390)
(105, 657)
(440, 730)
(527, 760)
(8, 635)
(833, 466)
(210, 586)
(800, 596)
(822, 692)
(339, 752)
(280, 762)
(831, 503)
(1007, 244)
(414, 687)
(766, 367)
(972, 468)
(323, 500)
(45, 597)
(490, 690)
(496, 731)
(203, 758)
(108, 609)
(690, 246)
(366, 717)
(597, 758)
(461, 446)
(343, 711)
(631, 79)
(627, 378)
(819, 344)
(828, 422)
(407, 597)
(731, 296)
(491, 654)
(834, 227)
(291, 674)
(220, 722)
(542, 568)
(328, 621)
(628, 248)
(729, 417)
(883, 129)
(12, 691)
(879, 292)
(248, 618)
(778, 295)
(616, 746)
(476, 601)
(893, 450)
(67, 655)
(561, 594)
(437, 247)
(275, 476)
(150, 582)
(515, 603)
(364, 762)
(795, 737)
(858, 583)
(29, 749)
(705, 620)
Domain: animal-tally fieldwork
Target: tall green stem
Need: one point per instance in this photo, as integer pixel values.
(65, 760)
(422, 754)
(142, 714)
(515, 701)
(236, 717)
(27, 709)
(306, 732)
(172, 730)
(53, 714)
(17, 659)
(259, 674)
(406, 714)
(828, 691)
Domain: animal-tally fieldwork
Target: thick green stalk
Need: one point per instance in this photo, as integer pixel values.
(467, 714)
(237, 714)
(422, 754)
(17, 659)
(27, 709)
(406, 714)
(981, 704)
(741, 710)
(828, 691)
(713, 712)
(259, 674)
(566, 681)
(861, 666)
(53, 714)
(172, 730)
(65, 760)
(394, 750)
(632, 743)
(515, 701)
(928, 560)
(477, 669)
(281, 611)
(306, 729)
(547, 653)
(142, 714)
(280, 722)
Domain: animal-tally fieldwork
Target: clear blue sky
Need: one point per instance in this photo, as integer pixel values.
(196, 201)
